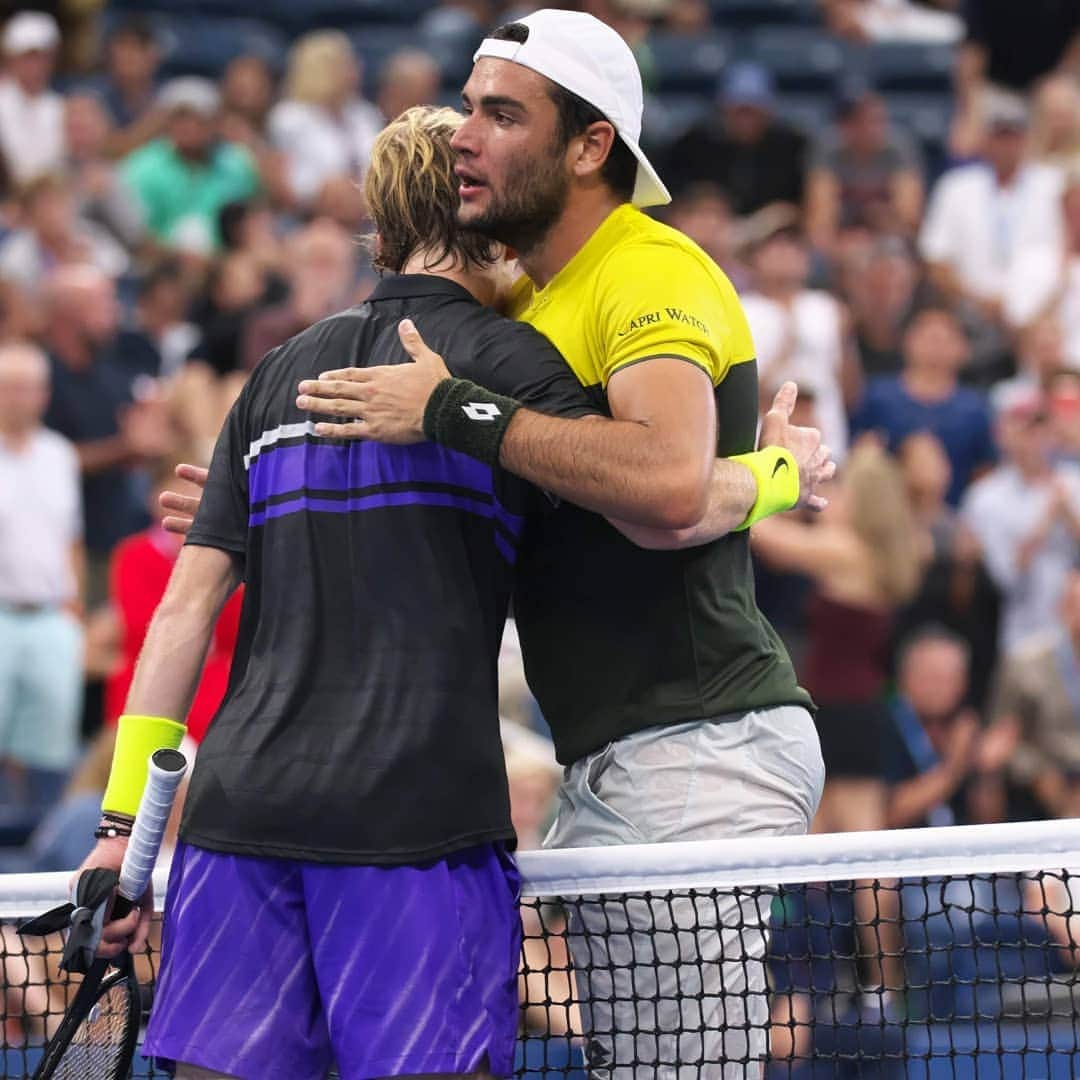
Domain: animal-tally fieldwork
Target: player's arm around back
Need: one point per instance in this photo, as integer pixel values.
(652, 463)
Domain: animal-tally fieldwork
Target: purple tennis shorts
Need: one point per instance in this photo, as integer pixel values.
(274, 969)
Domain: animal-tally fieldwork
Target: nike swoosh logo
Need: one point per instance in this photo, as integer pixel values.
(781, 463)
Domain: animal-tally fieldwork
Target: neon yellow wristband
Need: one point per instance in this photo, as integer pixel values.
(137, 737)
(777, 478)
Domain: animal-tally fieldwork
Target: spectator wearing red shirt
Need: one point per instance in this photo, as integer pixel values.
(138, 575)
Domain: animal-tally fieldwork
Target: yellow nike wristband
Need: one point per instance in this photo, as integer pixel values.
(137, 737)
(777, 478)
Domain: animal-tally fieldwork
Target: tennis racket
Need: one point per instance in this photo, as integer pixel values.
(97, 1036)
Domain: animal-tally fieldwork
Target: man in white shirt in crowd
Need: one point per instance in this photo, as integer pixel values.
(1025, 515)
(977, 217)
(802, 334)
(31, 115)
(1045, 281)
(40, 578)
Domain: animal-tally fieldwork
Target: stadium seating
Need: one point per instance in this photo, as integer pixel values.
(908, 66)
(688, 63)
(746, 14)
(192, 44)
(800, 58)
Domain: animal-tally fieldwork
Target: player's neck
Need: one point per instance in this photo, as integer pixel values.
(584, 213)
(473, 281)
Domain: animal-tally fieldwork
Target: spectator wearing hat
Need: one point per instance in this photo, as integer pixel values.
(863, 174)
(184, 178)
(743, 148)
(976, 220)
(1025, 515)
(31, 114)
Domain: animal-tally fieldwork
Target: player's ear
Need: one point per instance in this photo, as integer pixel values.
(596, 142)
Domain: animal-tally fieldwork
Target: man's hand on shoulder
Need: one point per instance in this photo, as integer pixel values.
(383, 403)
(814, 460)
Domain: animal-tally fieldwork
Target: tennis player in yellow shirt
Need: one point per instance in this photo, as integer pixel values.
(671, 700)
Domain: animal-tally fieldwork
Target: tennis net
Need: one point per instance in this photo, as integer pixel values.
(936, 953)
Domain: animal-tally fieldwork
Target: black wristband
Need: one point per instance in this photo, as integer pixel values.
(112, 825)
(463, 416)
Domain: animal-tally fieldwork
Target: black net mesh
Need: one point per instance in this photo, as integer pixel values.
(967, 978)
(36, 993)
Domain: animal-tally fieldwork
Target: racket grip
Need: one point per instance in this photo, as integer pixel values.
(166, 770)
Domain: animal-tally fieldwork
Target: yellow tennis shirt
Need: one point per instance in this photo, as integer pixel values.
(635, 291)
(616, 638)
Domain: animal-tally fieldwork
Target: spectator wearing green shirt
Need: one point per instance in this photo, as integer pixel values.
(183, 179)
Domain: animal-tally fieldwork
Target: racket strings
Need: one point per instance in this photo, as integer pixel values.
(97, 1047)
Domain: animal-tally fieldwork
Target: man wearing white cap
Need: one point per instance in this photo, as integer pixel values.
(671, 700)
(31, 115)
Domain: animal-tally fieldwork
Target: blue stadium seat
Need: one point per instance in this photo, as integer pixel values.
(810, 113)
(669, 116)
(451, 36)
(299, 16)
(908, 66)
(374, 43)
(924, 116)
(195, 45)
(800, 58)
(688, 63)
(748, 14)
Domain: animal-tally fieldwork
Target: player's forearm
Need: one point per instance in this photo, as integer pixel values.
(621, 469)
(732, 493)
(170, 663)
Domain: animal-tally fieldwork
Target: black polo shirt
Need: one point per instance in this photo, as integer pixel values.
(361, 720)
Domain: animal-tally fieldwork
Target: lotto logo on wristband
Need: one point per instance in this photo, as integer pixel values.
(481, 410)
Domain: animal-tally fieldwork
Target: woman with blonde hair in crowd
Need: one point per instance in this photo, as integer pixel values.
(1055, 129)
(865, 557)
(324, 126)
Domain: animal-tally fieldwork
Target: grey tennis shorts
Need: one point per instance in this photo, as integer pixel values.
(675, 988)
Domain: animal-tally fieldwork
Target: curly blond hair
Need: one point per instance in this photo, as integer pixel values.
(411, 193)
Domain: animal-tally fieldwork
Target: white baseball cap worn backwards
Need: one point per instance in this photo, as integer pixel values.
(583, 55)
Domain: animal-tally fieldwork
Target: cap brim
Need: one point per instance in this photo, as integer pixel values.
(649, 189)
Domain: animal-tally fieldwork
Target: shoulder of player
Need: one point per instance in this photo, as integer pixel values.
(499, 344)
(319, 341)
(661, 257)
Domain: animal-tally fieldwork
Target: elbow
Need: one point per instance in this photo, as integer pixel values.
(680, 502)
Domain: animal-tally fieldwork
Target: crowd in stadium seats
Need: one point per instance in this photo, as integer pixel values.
(893, 186)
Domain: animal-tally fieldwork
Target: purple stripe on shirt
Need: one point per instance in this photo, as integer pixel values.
(384, 499)
(325, 467)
